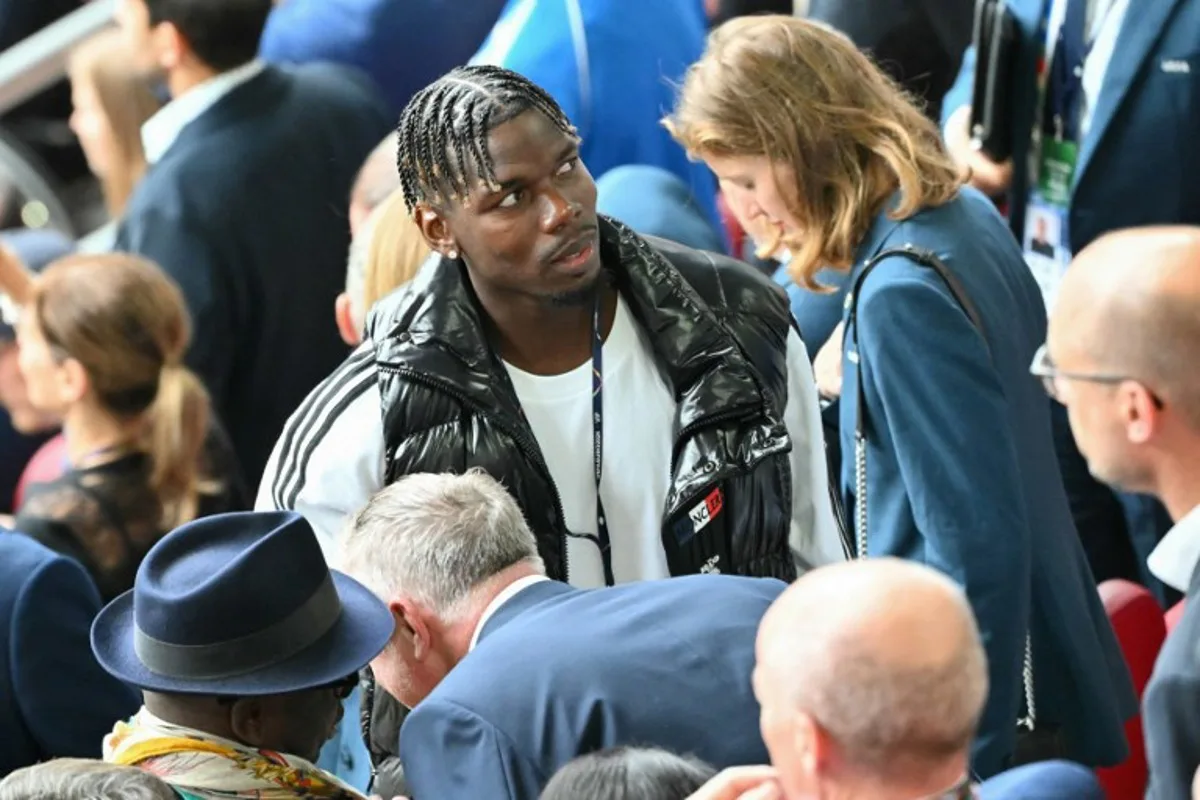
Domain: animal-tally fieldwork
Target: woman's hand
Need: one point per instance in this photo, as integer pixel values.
(741, 783)
(828, 365)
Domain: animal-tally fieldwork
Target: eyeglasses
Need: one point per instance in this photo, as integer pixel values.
(1053, 379)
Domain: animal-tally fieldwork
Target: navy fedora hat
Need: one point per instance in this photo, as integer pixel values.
(239, 604)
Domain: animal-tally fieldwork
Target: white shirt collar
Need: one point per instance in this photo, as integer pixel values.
(1175, 559)
(160, 131)
(507, 594)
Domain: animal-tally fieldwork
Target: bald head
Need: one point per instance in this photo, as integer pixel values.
(377, 179)
(884, 655)
(1130, 305)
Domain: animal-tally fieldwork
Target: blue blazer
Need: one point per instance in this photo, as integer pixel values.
(402, 44)
(1138, 162)
(559, 672)
(55, 700)
(962, 473)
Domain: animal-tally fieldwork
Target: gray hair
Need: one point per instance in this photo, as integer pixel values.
(81, 779)
(436, 537)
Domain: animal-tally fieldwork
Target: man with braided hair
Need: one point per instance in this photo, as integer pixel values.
(650, 407)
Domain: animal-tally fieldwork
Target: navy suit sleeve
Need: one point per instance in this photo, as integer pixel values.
(1171, 715)
(944, 409)
(964, 86)
(449, 751)
(68, 703)
(191, 259)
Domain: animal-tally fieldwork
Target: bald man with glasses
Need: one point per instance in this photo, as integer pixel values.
(1123, 355)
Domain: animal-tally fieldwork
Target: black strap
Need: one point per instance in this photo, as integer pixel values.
(925, 258)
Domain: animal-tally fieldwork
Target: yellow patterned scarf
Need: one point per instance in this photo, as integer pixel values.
(199, 765)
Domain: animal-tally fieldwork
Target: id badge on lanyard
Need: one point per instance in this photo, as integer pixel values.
(1053, 156)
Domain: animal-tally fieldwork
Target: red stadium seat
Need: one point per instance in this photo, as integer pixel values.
(1137, 619)
(47, 463)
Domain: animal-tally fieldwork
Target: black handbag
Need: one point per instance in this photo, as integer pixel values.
(1033, 743)
(996, 38)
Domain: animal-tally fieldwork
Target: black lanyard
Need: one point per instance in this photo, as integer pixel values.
(601, 538)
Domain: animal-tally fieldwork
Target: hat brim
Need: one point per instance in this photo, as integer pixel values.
(360, 634)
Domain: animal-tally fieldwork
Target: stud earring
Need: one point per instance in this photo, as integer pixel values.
(452, 255)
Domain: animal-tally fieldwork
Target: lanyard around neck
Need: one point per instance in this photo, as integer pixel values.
(601, 538)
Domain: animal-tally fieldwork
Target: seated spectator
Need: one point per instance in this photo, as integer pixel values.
(872, 680)
(627, 773)
(385, 254)
(244, 643)
(376, 180)
(655, 202)
(402, 44)
(54, 698)
(78, 779)
(23, 429)
(101, 340)
(111, 101)
(244, 205)
(457, 565)
(612, 65)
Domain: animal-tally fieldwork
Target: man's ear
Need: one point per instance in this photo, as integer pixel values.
(412, 624)
(343, 314)
(170, 47)
(246, 720)
(1140, 412)
(435, 229)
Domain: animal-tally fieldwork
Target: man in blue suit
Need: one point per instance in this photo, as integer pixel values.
(55, 700)
(1122, 104)
(511, 675)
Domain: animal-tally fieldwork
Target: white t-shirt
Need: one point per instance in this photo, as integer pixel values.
(329, 460)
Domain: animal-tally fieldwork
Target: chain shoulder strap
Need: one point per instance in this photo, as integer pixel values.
(925, 258)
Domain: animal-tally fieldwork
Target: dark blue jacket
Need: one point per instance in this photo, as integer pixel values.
(247, 212)
(962, 474)
(402, 44)
(1139, 160)
(55, 700)
(559, 672)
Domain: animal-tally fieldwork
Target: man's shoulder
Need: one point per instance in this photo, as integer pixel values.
(719, 279)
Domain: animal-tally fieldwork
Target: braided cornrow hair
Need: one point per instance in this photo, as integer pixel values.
(443, 130)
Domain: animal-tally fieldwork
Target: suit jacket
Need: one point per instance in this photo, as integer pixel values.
(961, 472)
(403, 45)
(559, 672)
(918, 42)
(55, 700)
(1138, 162)
(246, 211)
(1171, 707)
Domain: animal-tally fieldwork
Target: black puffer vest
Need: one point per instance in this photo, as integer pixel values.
(719, 333)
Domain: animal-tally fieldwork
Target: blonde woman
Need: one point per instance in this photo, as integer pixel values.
(111, 101)
(101, 341)
(957, 467)
(385, 254)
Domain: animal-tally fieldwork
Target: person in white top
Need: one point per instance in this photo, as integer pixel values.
(651, 407)
(1121, 356)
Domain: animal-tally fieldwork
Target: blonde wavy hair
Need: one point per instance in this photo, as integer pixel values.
(805, 97)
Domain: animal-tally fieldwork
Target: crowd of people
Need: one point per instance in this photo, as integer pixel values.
(671, 407)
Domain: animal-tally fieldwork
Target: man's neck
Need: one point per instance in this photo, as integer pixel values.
(1179, 484)
(183, 79)
(542, 338)
(459, 635)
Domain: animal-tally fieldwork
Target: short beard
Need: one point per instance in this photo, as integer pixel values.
(583, 296)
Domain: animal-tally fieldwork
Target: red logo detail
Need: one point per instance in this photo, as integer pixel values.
(714, 502)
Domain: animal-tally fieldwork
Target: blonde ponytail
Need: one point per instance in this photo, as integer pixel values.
(177, 427)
